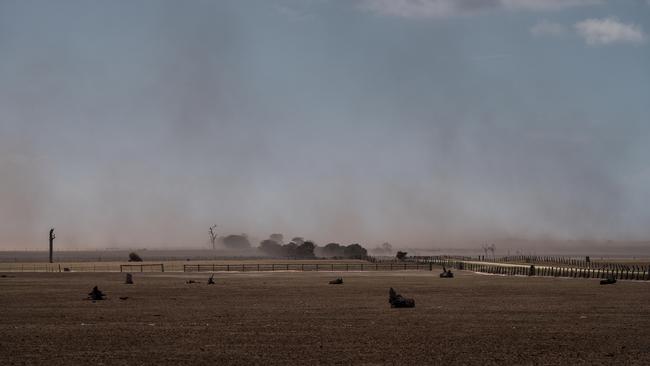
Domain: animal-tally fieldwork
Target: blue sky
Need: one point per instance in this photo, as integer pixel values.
(419, 122)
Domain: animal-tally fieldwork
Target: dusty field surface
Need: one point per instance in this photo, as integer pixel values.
(298, 318)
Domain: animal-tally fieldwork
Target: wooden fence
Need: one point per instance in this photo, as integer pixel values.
(339, 267)
(621, 273)
(556, 261)
(412, 263)
(149, 267)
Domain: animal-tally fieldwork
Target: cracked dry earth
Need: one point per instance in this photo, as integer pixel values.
(298, 318)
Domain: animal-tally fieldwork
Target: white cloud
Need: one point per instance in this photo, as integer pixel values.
(609, 30)
(546, 28)
(449, 8)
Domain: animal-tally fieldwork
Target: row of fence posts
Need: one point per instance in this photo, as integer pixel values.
(57, 268)
(570, 261)
(307, 267)
(417, 263)
(640, 274)
(550, 260)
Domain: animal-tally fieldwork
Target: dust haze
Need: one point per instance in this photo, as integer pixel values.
(142, 124)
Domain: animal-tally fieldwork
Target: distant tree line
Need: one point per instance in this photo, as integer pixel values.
(297, 247)
(306, 249)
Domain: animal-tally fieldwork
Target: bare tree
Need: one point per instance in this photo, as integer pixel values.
(213, 237)
(489, 248)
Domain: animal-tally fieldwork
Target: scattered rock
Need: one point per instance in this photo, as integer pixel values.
(398, 301)
(338, 281)
(189, 282)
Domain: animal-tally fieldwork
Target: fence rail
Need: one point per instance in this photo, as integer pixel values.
(305, 267)
(559, 261)
(150, 267)
(620, 273)
(412, 263)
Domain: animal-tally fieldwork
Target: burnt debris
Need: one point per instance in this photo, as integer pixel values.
(446, 273)
(96, 294)
(398, 301)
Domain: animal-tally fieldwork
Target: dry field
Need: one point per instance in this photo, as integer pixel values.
(297, 318)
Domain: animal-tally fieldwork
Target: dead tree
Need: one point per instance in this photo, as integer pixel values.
(52, 237)
(213, 237)
(211, 280)
(489, 248)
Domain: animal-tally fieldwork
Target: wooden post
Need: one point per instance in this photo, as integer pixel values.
(52, 237)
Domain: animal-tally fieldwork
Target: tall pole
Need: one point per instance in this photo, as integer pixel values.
(52, 237)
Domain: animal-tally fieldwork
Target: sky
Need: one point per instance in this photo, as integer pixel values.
(418, 122)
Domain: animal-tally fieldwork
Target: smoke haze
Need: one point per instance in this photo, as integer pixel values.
(144, 123)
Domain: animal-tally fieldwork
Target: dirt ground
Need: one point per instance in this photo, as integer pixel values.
(298, 318)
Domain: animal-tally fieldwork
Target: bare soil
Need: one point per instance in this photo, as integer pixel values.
(298, 318)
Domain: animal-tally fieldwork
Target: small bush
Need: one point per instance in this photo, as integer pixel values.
(401, 255)
(134, 257)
